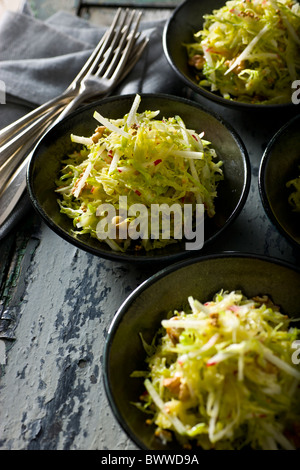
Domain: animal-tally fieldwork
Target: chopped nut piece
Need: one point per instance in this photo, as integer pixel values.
(98, 134)
(214, 319)
(177, 387)
(264, 299)
(174, 333)
(197, 61)
(173, 384)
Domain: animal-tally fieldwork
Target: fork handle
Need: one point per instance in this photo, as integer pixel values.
(15, 158)
(9, 131)
(17, 139)
(14, 140)
(13, 192)
(25, 135)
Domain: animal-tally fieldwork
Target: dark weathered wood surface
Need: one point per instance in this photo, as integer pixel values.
(57, 303)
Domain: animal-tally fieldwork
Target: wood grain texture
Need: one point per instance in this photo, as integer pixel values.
(52, 394)
(102, 15)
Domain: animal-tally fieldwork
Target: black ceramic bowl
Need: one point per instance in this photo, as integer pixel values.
(46, 163)
(183, 23)
(280, 164)
(168, 290)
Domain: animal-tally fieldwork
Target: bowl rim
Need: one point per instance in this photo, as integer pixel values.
(117, 318)
(128, 257)
(262, 181)
(200, 90)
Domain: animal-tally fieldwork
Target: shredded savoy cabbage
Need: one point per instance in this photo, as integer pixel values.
(221, 375)
(146, 159)
(249, 51)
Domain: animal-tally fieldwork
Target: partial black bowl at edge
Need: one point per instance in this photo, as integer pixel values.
(184, 22)
(280, 164)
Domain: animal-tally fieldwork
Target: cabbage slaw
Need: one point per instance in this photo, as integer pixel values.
(249, 51)
(140, 157)
(221, 376)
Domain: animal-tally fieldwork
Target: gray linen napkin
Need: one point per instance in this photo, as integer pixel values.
(38, 60)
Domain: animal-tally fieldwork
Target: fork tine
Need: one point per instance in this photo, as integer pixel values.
(119, 42)
(90, 65)
(119, 32)
(127, 50)
(109, 39)
(120, 49)
(134, 57)
(108, 82)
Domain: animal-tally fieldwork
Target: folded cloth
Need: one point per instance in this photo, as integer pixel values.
(38, 60)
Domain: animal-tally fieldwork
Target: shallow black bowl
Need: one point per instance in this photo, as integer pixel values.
(166, 291)
(183, 23)
(280, 164)
(46, 163)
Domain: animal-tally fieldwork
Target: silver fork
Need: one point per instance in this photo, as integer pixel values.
(112, 54)
(117, 60)
(72, 89)
(8, 131)
(17, 149)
